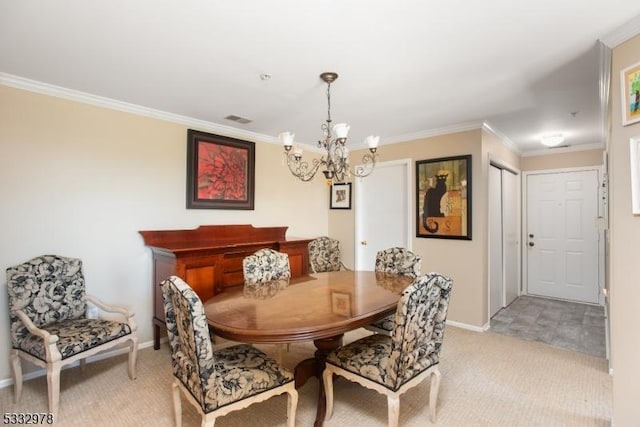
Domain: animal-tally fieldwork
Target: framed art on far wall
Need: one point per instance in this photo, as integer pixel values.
(340, 196)
(443, 198)
(630, 86)
(220, 172)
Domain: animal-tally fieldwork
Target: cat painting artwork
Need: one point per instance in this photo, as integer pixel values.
(443, 198)
(431, 206)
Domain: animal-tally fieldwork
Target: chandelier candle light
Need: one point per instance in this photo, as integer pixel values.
(336, 160)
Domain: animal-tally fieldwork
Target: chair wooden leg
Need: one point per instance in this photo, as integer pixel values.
(433, 394)
(394, 410)
(133, 357)
(53, 384)
(17, 375)
(292, 404)
(177, 405)
(327, 379)
(278, 353)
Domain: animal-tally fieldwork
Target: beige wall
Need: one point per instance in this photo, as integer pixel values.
(572, 159)
(464, 261)
(624, 242)
(80, 181)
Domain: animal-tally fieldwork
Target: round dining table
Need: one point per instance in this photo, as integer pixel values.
(319, 307)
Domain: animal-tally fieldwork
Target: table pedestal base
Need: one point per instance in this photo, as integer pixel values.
(314, 367)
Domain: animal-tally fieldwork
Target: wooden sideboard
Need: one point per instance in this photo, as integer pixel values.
(209, 258)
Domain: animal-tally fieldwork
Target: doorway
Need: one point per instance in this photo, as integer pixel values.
(504, 240)
(562, 252)
(382, 211)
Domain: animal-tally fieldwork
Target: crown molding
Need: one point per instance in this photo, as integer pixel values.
(570, 149)
(623, 33)
(101, 101)
(502, 137)
(104, 102)
(461, 127)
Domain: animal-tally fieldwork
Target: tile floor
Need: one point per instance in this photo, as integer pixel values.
(574, 326)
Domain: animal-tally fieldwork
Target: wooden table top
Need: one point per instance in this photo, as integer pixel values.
(311, 307)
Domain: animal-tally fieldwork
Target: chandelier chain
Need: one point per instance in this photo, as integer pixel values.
(329, 104)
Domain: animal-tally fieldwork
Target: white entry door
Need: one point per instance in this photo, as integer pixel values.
(382, 211)
(561, 235)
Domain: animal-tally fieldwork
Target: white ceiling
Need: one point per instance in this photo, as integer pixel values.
(407, 68)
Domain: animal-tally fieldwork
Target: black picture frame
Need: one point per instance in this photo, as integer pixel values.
(220, 172)
(340, 196)
(443, 198)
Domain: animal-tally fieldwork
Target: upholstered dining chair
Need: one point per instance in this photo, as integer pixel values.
(393, 364)
(264, 266)
(394, 261)
(324, 255)
(266, 271)
(49, 323)
(221, 381)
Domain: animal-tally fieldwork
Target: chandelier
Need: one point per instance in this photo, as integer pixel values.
(335, 162)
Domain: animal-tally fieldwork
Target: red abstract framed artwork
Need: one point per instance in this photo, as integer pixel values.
(220, 172)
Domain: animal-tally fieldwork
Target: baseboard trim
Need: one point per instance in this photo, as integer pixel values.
(474, 328)
(6, 382)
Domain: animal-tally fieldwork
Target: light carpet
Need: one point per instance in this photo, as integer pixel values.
(487, 380)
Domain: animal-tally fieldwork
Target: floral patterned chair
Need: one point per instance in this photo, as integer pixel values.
(266, 265)
(221, 381)
(49, 322)
(394, 261)
(264, 272)
(393, 364)
(324, 255)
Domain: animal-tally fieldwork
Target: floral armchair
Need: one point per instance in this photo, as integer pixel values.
(49, 322)
(221, 381)
(394, 261)
(393, 364)
(324, 255)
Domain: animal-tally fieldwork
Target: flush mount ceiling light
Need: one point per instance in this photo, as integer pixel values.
(551, 140)
(335, 161)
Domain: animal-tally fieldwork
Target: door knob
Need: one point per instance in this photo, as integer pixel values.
(364, 242)
(531, 236)
(531, 244)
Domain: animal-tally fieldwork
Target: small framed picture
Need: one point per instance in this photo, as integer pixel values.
(341, 303)
(630, 85)
(340, 196)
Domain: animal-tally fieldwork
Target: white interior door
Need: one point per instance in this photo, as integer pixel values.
(496, 283)
(562, 238)
(511, 235)
(504, 224)
(382, 211)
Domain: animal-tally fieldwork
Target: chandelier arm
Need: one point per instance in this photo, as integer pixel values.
(367, 166)
(303, 170)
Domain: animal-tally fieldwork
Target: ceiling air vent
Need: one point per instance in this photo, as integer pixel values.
(238, 119)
